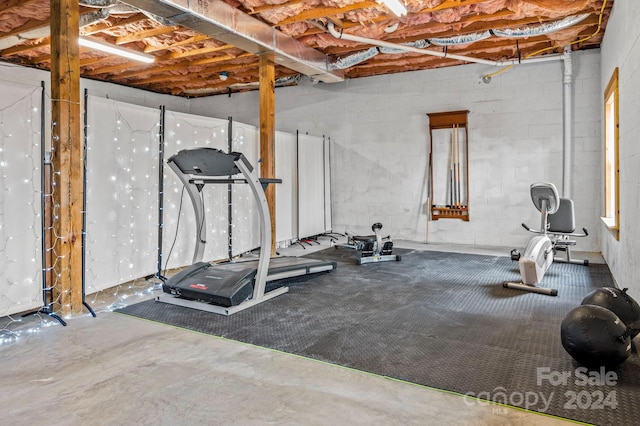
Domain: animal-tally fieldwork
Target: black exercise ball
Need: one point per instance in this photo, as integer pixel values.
(618, 302)
(594, 336)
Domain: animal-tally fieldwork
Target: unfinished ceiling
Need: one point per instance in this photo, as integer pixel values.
(202, 47)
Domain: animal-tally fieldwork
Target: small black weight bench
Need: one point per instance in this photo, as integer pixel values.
(373, 248)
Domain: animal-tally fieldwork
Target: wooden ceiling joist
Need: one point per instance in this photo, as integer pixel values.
(20, 48)
(271, 7)
(112, 24)
(160, 69)
(186, 42)
(11, 5)
(194, 52)
(204, 74)
(182, 54)
(138, 36)
(323, 12)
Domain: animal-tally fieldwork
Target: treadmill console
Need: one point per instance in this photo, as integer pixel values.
(208, 162)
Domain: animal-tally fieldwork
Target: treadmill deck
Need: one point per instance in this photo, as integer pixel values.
(226, 286)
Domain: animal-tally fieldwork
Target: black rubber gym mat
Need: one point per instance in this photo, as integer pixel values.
(438, 319)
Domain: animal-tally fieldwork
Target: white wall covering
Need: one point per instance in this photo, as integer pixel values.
(245, 219)
(311, 184)
(185, 131)
(286, 192)
(328, 224)
(20, 199)
(621, 48)
(122, 188)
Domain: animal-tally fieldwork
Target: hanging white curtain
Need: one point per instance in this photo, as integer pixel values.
(245, 218)
(311, 186)
(186, 131)
(122, 193)
(286, 192)
(20, 198)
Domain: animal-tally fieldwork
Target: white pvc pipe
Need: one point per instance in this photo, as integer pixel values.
(406, 48)
(567, 145)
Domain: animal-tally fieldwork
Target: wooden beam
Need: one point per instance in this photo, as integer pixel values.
(141, 35)
(270, 7)
(14, 50)
(160, 69)
(27, 26)
(11, 5)
(190, 40)
(268, 135)
(193, 52)
(450, 4)
(66, 156)
(323, 12)
(113, 24)
(204, 76)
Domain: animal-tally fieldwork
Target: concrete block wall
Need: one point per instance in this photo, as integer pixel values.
(621, 49)
(379, 132)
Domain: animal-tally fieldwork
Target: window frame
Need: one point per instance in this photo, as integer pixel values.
(611, 187)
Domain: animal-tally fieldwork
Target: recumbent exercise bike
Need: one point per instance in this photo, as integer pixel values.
(557, 226)
(373, 248)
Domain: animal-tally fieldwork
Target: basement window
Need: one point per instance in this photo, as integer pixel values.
(611, 216)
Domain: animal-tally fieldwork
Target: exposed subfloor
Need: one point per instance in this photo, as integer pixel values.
(117, 370)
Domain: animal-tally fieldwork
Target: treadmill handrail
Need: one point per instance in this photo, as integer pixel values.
(195, 167)
(204, 181)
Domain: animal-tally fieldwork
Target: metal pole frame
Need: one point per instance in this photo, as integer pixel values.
(161, 190)
(84, 201)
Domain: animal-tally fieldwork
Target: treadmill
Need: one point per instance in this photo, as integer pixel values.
(229, 287)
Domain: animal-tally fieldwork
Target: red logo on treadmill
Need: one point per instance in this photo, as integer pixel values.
(198, 286)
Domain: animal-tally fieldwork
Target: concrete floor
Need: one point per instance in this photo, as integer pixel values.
(118, 370)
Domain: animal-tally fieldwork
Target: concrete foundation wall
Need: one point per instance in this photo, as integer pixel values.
(621, 49)
(380, 137)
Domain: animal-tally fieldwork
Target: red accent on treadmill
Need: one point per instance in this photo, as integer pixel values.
(198, 286)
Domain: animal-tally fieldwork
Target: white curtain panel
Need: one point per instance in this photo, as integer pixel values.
(286, 192)
(328, 226)
(185, 131)
(122, 193)
(245, 217)
(20, 199)
(311, 182)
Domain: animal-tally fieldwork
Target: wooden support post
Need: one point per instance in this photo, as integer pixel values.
(66, 156)
(268, 135)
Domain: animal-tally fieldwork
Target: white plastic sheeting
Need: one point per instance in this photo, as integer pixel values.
(186, 131)
(122, 193)
(328, 226)
(20, 199)
(311, 186)
(245, 228)
(286, 192)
